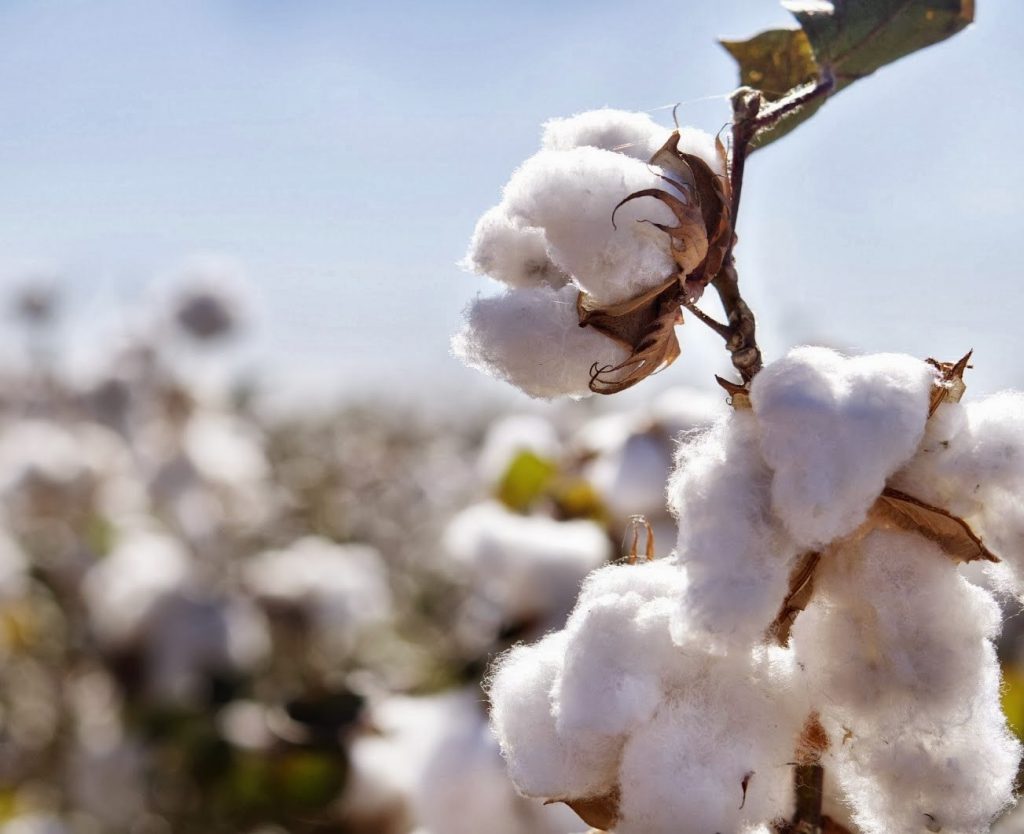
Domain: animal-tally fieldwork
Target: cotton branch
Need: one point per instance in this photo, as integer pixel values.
(751, 116)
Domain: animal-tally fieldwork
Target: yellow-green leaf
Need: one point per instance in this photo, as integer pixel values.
(525, 481)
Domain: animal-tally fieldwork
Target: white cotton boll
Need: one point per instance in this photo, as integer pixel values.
(683, 772)
(225, 449)
(506, 250)
(529, 567)
(463, 787)
(633, 134)
(873, 640)
(738, 557)
(921, 770)
(541, 762)
(619, 654)
(532, 339)
(571, 196)
(631, 478)
(123, 590)
(344, 586)
(34, 824)
(511, 436)
(833, 429)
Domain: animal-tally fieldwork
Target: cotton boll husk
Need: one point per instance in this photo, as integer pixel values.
(511, 436)
(893, 626)
(833, 429)
(530, 567)
(541, 762)
(738, 557)
(571, 196)
(619, 653)
(532, 339)
(683, 772)
(509, 251)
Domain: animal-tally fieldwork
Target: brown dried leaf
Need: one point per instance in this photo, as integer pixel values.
(650, 333)
(601, 812)
(801, 588)
(951, 533)
(688, 241)
(951, 387)
(635, 523)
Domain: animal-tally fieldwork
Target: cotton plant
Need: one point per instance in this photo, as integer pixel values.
(811, 655)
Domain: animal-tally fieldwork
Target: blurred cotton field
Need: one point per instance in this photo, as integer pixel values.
(222, 616)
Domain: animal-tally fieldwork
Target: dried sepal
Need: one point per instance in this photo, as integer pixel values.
(950, 386)
(951, 533)
(801, 589)
(739, 395)
(600, 812)
(636, 522)
(646, 326)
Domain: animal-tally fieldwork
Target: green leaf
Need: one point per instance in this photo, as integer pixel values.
(855, 37)
(525, 481)
(847, 39)
(774, 62)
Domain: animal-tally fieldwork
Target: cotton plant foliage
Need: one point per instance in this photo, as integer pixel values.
(667, 702)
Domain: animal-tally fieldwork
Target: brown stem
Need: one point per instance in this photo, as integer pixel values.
(750, 117)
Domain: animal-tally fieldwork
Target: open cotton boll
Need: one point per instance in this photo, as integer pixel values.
(630, 133)
(344, 587)
(571, 196)
(631, 478)
(124, 589)
(833, 429)
(530, 567)
(738, 557)
(463, 787)
(509, 251)
(683, 772)
(619, 654)
(532, 339)
(542, 762)
(922, 770)
(871, 641)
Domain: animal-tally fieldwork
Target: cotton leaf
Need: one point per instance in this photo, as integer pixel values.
(951, 533)
(844, 39)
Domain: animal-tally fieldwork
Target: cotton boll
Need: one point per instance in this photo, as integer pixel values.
(919, 770)
(571, 196)
(541, 762)
(833, 429)
(532, 339)
(683, 772)
(123, 590)
(34, 824)
(631, 479)
(529, 567)
(872, 641)
(619, 654)
(511, 436)
(344, 588)
(225, 449)
(738, 557)
(633, 134)
(463, 787)
(511, 252)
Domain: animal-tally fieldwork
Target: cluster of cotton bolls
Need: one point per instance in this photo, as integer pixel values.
(674, 700)
(552, 236)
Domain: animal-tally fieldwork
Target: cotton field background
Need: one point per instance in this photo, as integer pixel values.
(263, 536)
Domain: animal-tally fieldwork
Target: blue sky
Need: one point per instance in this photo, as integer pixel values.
(343, 150)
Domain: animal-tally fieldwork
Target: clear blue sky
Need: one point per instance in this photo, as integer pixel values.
(342, 151)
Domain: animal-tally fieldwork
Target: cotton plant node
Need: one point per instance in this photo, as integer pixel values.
(809, 657)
